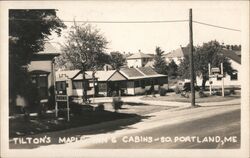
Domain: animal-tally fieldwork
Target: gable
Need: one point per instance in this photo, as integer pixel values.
(117, 77)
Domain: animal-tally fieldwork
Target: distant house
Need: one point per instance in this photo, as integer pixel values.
(41, 70)
(177, 55)
(143, 79)
(138, 59)
(232, 80)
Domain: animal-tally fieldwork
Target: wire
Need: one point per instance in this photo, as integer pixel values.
(122, 22)
(227, 28)
(93, 21)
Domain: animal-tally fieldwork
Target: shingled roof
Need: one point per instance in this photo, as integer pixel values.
(139, 55)
(231, 55)
(140, 73)
(180, 52)
(49, 49)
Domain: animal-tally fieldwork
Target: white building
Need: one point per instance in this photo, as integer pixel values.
(138, 60)
(230, 81)
(177, 55)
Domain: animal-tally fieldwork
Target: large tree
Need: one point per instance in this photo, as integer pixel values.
(117, 60)
(28, 31)
(203, 55)
(160, 64)
(83, 49)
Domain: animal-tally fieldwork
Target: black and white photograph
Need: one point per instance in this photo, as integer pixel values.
(134, 76)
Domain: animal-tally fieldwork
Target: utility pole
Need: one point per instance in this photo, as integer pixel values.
(191, 58)
(222, 80)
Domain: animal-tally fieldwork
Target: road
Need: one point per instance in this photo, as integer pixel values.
(222, 126)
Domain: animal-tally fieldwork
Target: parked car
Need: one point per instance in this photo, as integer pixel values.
(184, 86)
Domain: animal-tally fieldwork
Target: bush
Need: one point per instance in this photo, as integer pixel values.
(163, 92)
(177, 90)
(100, 107)
(117, 103)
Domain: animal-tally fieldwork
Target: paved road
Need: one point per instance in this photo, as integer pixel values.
(217, 126)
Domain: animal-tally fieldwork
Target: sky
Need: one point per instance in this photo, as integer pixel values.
(145, 37)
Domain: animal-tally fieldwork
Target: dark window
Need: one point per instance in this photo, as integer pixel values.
(77, 85)
(142, 83)
(102, 87)
(137, 84)
(234, 75)
(41, 83)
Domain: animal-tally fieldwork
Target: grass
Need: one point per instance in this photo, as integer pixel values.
(178, 98)
(48, 123)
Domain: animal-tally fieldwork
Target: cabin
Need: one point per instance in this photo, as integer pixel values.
(71, 83)
(143, 80)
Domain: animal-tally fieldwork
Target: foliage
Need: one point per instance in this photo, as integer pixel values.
(117, 60)
(100, 107)
(207, 53)
(172, 69)
(28, 30)
(84, 49)
(117, 103)
(160, 64)
(163, 92)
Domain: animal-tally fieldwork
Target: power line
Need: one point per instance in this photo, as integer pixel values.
(96, 21)
(134, 22)
(227, 28)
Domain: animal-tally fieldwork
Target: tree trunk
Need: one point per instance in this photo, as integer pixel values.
(204, 80)
(84, 90)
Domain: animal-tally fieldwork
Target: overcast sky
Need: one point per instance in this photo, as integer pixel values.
(169, 36)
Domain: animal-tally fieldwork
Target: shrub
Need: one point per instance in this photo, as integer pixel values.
(100, 107)
(177, 90)
(163, 92)
(117, 103)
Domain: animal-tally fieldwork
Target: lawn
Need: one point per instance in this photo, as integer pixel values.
(178, 98)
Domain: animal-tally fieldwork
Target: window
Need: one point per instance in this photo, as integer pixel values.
(137, 84)
(102, 87)
(77, 85)
(41, 83)
(142, 83)
(234, 75)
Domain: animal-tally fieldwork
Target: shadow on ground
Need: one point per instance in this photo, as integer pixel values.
(47, 129)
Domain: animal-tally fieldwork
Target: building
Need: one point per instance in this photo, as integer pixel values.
(41, 70)
(177, 55)
(142, 80)
(127, 81)
(71, 83)
(138, 60)
(232, 80)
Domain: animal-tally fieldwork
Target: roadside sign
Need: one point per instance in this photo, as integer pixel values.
(62, 98)
(215, 70)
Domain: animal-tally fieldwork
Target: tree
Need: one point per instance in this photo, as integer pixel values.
(160, 64)
(84, 49)
(203, 55)
(172, 69)
(117, 60)
(28, 31)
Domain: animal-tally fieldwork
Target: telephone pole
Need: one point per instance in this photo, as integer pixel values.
(191, 58)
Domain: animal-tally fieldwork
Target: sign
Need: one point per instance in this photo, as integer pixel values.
(61, 98)
(215, 70)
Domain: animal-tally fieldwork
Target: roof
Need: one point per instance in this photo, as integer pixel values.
(150, 64)
(69, 74)
(102, 75)
(139, 55)
(49, 49)
(231, 55)
(180, 52)
(140, 73)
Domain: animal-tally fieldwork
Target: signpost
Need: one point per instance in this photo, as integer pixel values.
(216, 72)
(62, 98)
